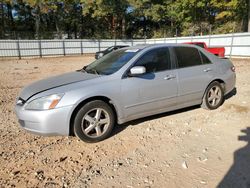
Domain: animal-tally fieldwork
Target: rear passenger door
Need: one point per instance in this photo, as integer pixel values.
(195, 71)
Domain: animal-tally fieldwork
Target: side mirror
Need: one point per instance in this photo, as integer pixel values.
(137, 70)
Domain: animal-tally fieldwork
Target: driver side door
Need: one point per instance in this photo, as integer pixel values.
(152, 92)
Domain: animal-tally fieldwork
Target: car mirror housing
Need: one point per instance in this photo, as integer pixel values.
(137, 70)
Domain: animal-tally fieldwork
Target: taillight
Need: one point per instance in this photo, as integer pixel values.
(233, 68)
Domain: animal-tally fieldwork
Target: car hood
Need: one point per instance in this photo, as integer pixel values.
(54, 82)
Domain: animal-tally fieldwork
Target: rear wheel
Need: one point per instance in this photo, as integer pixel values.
(94, 121)
(213, 97)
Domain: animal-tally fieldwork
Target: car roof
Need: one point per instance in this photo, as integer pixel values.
(120, 46)
(193, 42)
(144, 46)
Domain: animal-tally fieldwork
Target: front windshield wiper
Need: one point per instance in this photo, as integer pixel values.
(84, 69)
(96, 72)
(92, 71)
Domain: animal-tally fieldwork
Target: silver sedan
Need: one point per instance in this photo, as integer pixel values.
(124, 85)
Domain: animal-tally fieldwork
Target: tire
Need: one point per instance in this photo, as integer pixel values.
(94, 122)
(213, 97)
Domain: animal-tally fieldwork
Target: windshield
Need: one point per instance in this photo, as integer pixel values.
(112, 62)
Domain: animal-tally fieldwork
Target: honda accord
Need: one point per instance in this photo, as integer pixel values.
(127, 84)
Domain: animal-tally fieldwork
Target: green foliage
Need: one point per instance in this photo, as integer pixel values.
(228, 27)
(120, 18)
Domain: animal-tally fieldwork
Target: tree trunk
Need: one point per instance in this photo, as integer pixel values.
(37, 17)
(59, 34)
(2, 25)
(81, 36)
(113, 27)
(75, 30)
(123, 27)
(37, 27)
(57, 30)
(248, 15)
(10, 26)
(245, 26)
(144, 28)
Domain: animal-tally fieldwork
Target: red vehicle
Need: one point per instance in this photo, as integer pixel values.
(218, 51)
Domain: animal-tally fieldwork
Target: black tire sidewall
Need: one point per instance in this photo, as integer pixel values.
(206, 96)
(81, 113)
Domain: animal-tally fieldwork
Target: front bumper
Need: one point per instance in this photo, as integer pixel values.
(47, 122)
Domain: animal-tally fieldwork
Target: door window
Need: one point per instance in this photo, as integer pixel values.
(205, 59)
(155, 60)
(187, 56)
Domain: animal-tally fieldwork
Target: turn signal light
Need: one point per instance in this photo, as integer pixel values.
(54, 103)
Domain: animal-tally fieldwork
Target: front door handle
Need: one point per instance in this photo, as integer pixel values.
(207, 70)
(169, 77)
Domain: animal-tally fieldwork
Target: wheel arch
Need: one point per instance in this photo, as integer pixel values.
(222, 83)
(85, 101)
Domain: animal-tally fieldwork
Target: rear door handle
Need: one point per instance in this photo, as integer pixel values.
(207, 70)
(169, 77)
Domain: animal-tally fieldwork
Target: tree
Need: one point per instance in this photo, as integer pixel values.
(244, 12)
(121, 18)
(36, 12)
(248, 16)
(111, 12)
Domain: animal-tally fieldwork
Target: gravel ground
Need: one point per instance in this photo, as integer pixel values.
(186, 148)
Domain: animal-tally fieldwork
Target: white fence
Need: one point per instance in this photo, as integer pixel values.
(237, 44)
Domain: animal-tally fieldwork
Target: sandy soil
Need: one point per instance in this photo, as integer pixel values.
(188, 148)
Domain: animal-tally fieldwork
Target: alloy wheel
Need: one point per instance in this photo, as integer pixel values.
(214, 96)
(95, 122)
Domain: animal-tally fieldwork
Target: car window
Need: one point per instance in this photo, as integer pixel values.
(155, 60)
(187, 56)
(205, 59)
(111, 62)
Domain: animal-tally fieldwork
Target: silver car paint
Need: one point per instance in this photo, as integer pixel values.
(132, 97)
(53, 82)
(150, 93)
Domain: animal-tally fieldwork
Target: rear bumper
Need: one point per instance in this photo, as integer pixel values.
(231, 93)
(230, 83)
(47, 122)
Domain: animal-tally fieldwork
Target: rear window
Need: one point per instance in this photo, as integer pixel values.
(187, 56)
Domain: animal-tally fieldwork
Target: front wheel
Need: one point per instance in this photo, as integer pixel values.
(213, 97)
(94, 121)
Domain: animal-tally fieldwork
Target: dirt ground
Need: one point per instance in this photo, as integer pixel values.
(187, 148)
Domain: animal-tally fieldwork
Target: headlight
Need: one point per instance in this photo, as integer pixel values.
(44, 103)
